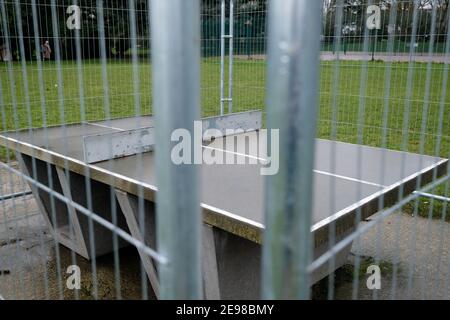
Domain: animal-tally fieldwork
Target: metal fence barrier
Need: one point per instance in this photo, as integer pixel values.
(224, 149)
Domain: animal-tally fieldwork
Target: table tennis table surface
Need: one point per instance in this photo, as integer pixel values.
(346, 176)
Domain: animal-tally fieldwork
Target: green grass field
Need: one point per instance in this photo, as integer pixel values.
(358, 113)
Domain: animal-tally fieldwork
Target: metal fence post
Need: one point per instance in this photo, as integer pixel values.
(230, 66)
(230, 37)
(292, 104)
(222, 57)
(175, 31)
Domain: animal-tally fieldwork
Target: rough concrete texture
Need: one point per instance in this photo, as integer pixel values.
(32, 266)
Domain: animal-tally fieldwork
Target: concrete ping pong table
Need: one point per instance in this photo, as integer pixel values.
(232, 198)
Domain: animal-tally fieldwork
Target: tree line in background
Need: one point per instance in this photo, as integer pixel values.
(249, 25)
(116, 26)
(354, 18)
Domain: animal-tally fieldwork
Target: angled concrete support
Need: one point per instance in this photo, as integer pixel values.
(209, 265)
(135, 214)
(68, 226)
(103, 202)
(61, 220)
(79, 241)
(130, 208)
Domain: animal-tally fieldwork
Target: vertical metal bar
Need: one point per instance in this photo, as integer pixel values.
(26, 88)
(56, 38)
(43, 104)
(360, 126)
(438, 149)
(222, 56)
(410, 82)
(230, 65)
(292, 104)
(175, 30)
(335, 104)
(139, 160)
(392, 35)
(107, 98)
(83, 117)
(423, 129)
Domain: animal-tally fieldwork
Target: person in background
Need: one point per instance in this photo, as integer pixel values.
(46, 51)
(4, 53)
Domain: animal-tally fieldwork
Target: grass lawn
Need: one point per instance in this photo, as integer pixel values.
(358, 113)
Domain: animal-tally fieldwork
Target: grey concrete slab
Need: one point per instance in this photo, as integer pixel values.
(68, 140)
(133, 215)
(127, 123)
(369, 164)
(233, 194)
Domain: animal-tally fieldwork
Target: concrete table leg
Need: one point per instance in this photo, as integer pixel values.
(68, 226)
(60, 221)
(129, 206)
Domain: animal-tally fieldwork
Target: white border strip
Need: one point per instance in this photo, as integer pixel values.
(237, 154)
(350, 179)
(266, 161)
(432, 196)
(233, 216)
(103, 126)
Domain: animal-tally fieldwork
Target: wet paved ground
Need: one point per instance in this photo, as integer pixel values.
(32, 266)
(417, 249)
(360, 56)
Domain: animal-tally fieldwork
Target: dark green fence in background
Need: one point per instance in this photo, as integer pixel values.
(249, 35)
